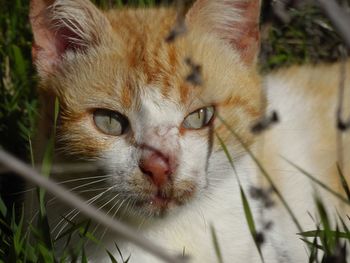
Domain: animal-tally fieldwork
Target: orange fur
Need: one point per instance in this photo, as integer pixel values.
(139, 35)
(119, 60)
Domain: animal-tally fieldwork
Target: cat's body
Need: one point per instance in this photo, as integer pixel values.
(168, 175)
(301, 136)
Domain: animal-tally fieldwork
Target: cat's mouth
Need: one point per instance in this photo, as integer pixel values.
(161, 203)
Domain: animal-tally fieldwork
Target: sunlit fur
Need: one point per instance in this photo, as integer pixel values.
(119, 60)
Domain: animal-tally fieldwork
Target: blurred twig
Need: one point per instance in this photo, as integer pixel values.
(280, 10)
(265, 123)
(180, 25)
(340, 123)
(195, 76)
(74, 201)
(62, 168)
(339, 18)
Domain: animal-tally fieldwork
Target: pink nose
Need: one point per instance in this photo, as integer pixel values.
(156, 166)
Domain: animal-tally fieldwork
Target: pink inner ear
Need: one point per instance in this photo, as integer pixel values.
(52, 38)
(50, 44)
(67, 40)
(248, 39)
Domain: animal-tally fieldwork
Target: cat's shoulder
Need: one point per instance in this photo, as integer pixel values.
(310, 78)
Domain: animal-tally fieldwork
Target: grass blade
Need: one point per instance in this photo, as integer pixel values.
(3, 208)
(31, 153)
(312, 178)
(72, 229)
(121, 254)
(314, 250)
(216, 244)
(321, 233)
(343, 182)
(111, 257)
(250, 221)
(264, 173)
(246, 207)
(48, 159)
(83, 256)
(327, 240)
(228, 155)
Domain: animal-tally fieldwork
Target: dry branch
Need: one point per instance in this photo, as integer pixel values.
(77, 202)
(339, 18)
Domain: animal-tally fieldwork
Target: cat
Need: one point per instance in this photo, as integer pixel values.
(155, 114)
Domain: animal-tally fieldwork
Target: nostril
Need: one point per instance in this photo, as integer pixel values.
(156, 167)
(145, 171)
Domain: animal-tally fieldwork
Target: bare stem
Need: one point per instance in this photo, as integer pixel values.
(341, 92)
(339, 18)
(75, 201)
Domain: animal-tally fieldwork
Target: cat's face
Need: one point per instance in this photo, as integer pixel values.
(140, 107)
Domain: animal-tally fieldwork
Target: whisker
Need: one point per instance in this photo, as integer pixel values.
(86, 178)
(141, 224)
(121, 204)
(116, 203)
(90, 201)
(93, 190)
(80, 186)
(127, 206)
(114, 214)
(51, 201)
(64, 182)
(62, 168)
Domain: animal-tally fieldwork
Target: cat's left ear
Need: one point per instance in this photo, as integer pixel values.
(62, 26)
(235, 21)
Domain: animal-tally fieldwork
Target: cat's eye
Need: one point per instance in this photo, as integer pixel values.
(110, 122)
(199, 118)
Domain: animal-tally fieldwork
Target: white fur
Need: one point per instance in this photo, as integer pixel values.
(220, 204)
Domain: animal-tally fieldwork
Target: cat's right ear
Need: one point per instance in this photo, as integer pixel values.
(234, 21)
(62, 26)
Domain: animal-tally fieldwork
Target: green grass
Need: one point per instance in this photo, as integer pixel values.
(18, 113)
(308, 38)
(18, 101)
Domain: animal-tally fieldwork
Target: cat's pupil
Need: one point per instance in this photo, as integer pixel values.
(199, 119)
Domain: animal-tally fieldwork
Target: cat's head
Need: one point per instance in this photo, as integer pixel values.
(146, 106)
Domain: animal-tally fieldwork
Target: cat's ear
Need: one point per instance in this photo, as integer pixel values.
(235, 21)
(61, 26)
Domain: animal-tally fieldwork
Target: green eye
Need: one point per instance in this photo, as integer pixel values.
(110, 122)
(199, 118)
